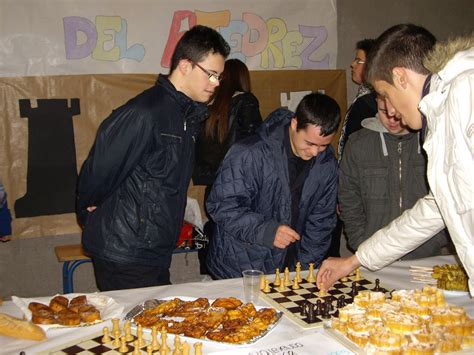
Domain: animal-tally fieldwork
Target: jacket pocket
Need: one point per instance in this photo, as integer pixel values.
(163, 160)
(375, 183)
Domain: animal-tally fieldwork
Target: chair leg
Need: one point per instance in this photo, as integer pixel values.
(68, 272)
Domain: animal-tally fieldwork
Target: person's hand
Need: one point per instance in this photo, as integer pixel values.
(91, 208)
(284, 236)
(332, 269)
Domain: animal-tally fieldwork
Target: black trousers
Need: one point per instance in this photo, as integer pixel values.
(119, 276)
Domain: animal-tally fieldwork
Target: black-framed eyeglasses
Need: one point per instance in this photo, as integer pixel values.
(213, 77)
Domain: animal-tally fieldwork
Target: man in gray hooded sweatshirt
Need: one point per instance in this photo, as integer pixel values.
(383, 173)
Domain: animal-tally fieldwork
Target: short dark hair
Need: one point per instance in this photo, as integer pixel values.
(365, 45)
(404, 45)
(197, 43)
(319, 110)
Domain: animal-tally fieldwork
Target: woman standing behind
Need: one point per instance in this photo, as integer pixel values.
(234, 115)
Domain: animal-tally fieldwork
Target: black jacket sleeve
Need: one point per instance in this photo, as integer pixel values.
(120, 144)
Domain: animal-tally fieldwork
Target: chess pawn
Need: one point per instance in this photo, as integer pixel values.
(262, 282)
(123, 345)
(282, 287)
(267, 288)
(357, 274)
(136, 348)
(277, 277)
(322, 292)
(198, 349)
(185, 348)
(311, 277)
(116, 341)
(149, 350)
(128, 331)
(177, 342)
(106, 338)
(295, 286)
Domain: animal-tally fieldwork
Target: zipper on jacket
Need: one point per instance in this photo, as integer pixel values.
(399, 149)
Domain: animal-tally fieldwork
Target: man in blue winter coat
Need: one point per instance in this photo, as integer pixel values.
(274, 198)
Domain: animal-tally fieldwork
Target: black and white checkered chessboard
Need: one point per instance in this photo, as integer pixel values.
(290, 301)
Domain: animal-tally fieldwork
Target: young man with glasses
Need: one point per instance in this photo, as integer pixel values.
(132, 187)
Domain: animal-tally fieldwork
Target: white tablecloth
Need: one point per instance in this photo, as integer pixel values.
(395, 276)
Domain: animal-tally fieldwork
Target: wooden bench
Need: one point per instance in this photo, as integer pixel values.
(72, 256)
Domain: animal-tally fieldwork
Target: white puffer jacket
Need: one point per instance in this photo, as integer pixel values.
(449, 108)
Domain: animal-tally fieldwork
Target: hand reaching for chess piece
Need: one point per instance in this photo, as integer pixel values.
(332, 269)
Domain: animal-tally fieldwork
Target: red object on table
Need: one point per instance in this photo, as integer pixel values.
(185, 239)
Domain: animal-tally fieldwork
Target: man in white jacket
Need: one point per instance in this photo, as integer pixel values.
(429, 88)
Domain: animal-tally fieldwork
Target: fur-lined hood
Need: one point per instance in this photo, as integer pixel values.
(444, 51)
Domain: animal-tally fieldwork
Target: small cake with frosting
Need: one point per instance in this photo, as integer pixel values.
(402, 323)
(347, 311)
(366, 298)
(449, 315)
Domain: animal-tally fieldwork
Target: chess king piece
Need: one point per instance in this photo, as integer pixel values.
(298, 272)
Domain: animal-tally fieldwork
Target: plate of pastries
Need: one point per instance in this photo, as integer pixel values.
(71, 310)
(410, 322)
(224, 320)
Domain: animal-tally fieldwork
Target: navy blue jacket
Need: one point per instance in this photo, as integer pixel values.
(251, 198)
(137, 174)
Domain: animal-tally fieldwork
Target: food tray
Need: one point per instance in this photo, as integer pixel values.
(138, 309)
(358, 350)
(107, 307)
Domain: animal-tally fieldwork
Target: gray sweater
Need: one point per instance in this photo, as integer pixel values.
(382, 175)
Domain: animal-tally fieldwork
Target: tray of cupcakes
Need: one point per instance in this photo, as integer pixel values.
(410, 322)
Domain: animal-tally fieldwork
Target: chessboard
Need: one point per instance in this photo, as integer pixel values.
(93, 345)
(128, 344)
(307, 307)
